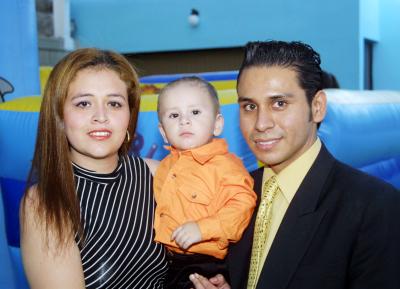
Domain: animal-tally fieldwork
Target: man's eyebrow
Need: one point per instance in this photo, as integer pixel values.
(280, 96)
(243, 98)
(267, 98)
(272, 97)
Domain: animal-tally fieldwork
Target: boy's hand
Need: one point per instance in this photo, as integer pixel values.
(186, 235)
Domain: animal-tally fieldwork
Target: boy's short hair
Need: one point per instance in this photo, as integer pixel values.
(194, 81)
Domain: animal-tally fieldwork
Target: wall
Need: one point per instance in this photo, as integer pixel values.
(369, 29)
(19, 62)
(387, 59)
(127, 26)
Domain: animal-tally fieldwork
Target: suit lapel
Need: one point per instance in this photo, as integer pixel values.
(240, 253)
(298, 226)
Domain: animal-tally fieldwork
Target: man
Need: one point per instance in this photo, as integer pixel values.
(331, 226)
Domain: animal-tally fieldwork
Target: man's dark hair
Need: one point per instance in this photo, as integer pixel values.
(329, 80)
(295, 55)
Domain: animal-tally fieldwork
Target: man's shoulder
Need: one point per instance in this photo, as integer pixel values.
(342, 174)
(362, 185)
(257, 173)
(348, 172)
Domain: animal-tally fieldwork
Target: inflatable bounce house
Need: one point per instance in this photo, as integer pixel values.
(362, 129)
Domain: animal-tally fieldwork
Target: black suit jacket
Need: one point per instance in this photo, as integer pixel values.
(341, 230)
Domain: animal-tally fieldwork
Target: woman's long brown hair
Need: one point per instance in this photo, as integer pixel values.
(56, 202)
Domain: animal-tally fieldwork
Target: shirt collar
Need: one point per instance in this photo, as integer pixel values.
(204, 153)
(291, 177)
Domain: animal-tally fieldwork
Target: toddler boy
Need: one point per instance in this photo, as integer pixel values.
(203, 193)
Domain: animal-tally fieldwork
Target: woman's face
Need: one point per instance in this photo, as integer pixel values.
(96, 118)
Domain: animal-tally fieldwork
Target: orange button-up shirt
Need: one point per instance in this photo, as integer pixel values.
(208, 185)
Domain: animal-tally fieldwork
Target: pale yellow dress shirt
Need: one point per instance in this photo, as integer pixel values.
(289, 180)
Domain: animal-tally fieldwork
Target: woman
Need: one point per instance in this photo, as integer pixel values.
(87, 219)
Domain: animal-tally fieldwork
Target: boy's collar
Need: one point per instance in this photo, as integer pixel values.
(203, 153)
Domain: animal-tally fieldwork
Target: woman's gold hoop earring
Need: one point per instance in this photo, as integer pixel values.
(128, 137)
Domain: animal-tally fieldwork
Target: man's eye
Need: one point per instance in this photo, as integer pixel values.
(173, 115)
(280, 104)
(196, 111)
(249, 107)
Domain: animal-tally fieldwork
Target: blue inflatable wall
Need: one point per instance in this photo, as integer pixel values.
(19, 56)
(361, 129)
(19, 77)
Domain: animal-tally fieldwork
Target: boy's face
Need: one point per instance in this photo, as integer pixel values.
(188, 118)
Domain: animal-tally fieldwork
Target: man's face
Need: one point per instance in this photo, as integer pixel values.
(275, 117)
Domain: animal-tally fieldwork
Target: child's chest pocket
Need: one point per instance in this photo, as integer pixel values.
(195, 193)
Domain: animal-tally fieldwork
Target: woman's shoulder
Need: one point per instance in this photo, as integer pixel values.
(151, 164)
(31, 213)
(30, 200)
(30, 218)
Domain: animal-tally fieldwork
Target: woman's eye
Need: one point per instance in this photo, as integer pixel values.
(196, 112)
(115, 104)
(173, 115)
(82, 104)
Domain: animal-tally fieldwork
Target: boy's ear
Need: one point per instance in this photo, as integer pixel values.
(318, 106)
(219, 124)
(162, 132)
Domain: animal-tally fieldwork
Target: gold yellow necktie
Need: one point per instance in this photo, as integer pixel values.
(261, 228)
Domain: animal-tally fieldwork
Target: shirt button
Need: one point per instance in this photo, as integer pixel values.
(162, 215)
(194, 195)
(173, 176)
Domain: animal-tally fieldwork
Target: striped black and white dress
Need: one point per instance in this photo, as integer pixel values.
(117, 210)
